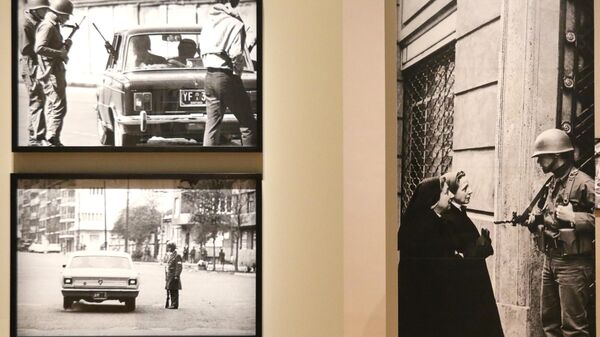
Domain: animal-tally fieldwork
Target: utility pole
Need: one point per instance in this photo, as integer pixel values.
(127, 220)
(105, 234)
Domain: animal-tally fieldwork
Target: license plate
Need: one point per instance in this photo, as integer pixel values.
(191, 98)
(99, 295)
(195, 126)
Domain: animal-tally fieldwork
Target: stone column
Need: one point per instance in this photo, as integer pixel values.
(527, 98)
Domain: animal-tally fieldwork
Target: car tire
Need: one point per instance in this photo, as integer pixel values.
(67, 302)
(121, 139)
(130, 304)
(105, 135)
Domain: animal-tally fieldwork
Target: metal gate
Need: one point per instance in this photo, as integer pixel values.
(428, 122)
(576, 92)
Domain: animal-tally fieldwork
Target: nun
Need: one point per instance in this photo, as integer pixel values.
(428, 258)
(477, 310)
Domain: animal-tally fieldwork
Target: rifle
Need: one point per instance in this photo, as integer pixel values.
(74, 28)
(538, 200)
(109, 48)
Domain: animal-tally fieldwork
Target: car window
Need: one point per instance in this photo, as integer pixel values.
(168, 50)
(100, 262)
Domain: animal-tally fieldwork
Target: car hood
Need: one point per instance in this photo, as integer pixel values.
(175, 79)
(99, 272)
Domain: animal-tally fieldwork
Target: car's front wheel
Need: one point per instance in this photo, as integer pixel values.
(67, 302)
(130, 304)
(122, 139)
(105, 135)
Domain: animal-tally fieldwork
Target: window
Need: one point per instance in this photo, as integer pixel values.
(428, 120)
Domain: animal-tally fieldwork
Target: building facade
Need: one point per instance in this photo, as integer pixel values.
(477, 82)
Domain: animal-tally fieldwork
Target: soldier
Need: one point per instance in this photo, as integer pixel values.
(29, 63)
(172, 276)
(565, 232)
(53, 52)
(223, 45)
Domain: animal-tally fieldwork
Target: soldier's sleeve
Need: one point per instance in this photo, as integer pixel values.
(28, 40)
(42, 40)
(178, 266)
(584, 216)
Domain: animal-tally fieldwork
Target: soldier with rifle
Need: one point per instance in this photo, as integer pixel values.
(563, 221)
(34, 14)
(53, 51)
(173, 276)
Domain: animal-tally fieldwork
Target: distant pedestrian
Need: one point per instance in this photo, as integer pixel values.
(185, 254)
(222, 258)
(172, 276)
(193, 255)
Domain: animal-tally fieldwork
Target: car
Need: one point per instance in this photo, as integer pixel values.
(98, 277)
(44, 248)
(149, 91)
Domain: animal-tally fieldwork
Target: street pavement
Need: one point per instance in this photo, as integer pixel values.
(211, 303)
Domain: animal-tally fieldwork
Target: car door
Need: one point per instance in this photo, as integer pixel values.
(111, 93)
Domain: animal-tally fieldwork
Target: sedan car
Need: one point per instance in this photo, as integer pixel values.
(100, 276)
(153, 86)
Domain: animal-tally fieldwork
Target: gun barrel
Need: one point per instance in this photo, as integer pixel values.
(98, 30)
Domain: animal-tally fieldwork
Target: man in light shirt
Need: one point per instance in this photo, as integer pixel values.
(223, 42)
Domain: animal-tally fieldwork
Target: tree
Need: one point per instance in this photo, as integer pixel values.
(142, 221)
(210, 209)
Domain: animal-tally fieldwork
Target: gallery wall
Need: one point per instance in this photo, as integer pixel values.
(301, 164)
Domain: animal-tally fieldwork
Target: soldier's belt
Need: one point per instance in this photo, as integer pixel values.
(564, 242)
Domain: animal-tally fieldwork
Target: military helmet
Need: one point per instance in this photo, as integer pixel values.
(35, 4)
(171, 245)
(64, 7)
(552, 141)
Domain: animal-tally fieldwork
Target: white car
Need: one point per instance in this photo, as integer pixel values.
(45, 248)
(100, 276)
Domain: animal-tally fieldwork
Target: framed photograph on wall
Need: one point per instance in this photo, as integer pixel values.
(133, 76)
(496, 157)
(135, 255)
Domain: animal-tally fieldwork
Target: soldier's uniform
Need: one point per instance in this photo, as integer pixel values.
(568, 274)
(51, 73)
(29, 65)
(172, 278)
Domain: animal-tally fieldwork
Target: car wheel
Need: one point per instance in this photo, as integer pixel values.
(130, 304)
(67, 302)
(106, 135)
(121, 139)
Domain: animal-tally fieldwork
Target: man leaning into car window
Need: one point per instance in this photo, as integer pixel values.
(139, 53)
(223, 45)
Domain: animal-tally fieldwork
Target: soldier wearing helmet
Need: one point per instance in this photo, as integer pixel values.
(34, 14)
(172, 276)
(52, 51)
(565, 232)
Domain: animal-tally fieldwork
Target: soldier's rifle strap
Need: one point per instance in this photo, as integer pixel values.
(539, 197)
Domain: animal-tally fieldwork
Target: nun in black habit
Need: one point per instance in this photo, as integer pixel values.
(428, 259)
(478, 312)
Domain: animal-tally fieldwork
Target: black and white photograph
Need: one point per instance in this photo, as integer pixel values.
(149, 75)
(139, 255)
(496, 168)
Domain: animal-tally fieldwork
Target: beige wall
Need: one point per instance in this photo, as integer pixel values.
(301, 163)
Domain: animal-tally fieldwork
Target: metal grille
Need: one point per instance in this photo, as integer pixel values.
(576, 94)
(428, 121)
